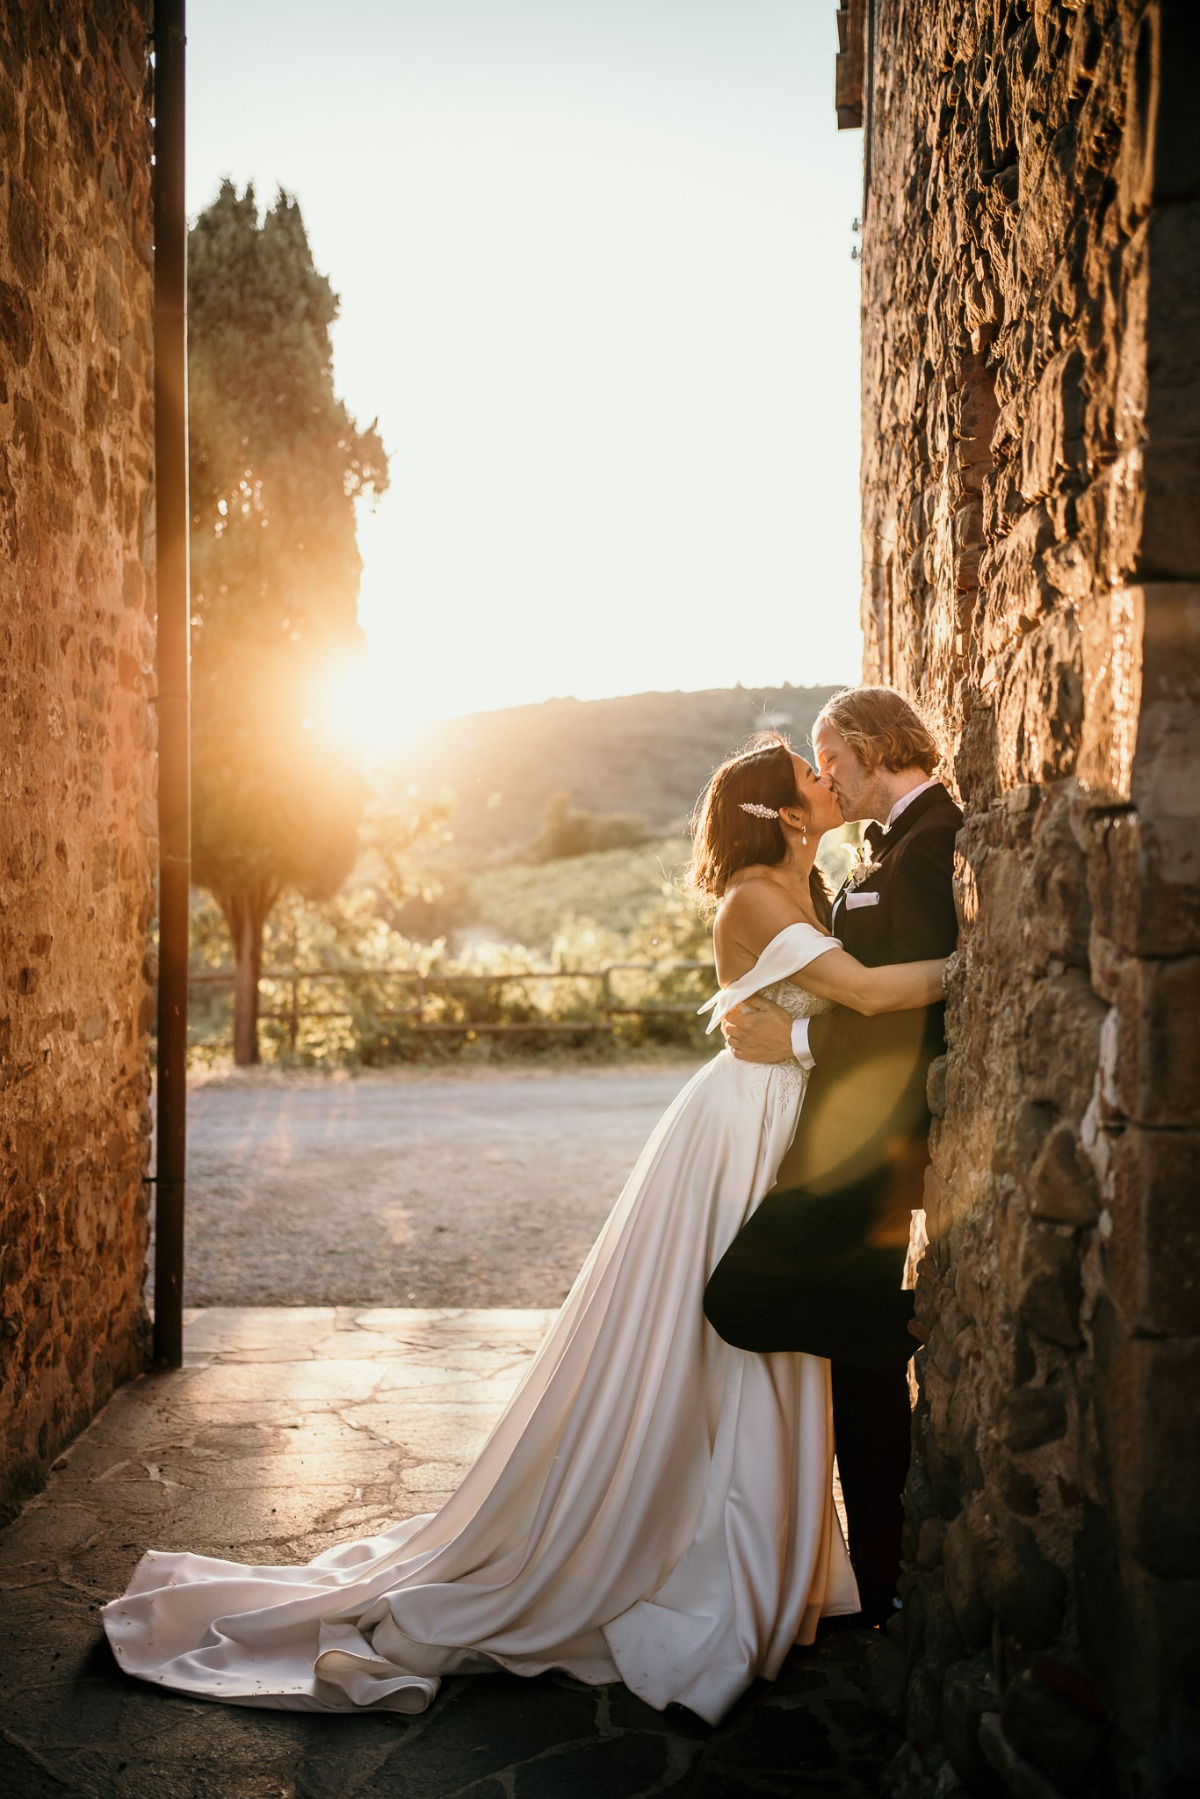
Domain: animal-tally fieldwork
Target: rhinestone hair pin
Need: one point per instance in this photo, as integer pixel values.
(757, 811)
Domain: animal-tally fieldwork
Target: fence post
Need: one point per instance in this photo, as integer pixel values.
(293, 1014)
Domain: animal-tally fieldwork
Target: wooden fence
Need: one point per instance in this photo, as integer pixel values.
(604, 1016)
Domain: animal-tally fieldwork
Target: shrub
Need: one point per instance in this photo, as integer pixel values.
(569, 830)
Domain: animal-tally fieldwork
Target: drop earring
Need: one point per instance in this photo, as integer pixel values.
(804, 835)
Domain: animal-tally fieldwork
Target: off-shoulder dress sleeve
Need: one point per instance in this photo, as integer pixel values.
(793, 949)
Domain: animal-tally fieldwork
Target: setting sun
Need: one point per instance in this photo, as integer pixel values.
(370, 706)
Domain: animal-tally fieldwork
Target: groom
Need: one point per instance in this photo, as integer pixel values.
(818, 1266)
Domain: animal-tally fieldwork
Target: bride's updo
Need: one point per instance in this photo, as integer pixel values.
(726, 839)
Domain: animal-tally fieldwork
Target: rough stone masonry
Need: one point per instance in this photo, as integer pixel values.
(1031, 533)
(77, 779)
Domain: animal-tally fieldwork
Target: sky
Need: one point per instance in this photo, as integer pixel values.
(594, 260)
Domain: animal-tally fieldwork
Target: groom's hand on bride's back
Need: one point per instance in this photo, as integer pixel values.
(758, 1031)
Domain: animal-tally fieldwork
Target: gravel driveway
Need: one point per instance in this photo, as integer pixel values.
(481, 1187)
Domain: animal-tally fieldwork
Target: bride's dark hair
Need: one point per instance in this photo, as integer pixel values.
(725, 839)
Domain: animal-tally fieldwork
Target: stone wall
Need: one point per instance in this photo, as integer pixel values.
(77, 793)
(1031, 405)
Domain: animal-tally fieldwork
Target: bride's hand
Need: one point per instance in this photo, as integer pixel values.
(758, 1031)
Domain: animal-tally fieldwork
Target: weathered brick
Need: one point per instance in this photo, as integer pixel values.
(1055, 1723)
(1145, 1411)
(1144, 882)
(1044, 1281)
(1111, 628)
(969, 1689)
(75, 1082)
(1062, 1182)
(1153, 1252)
(1158, 1071)
(1062, 1043)
(1031, 1416)
(1031, 405)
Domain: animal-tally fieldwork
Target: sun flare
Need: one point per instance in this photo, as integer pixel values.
(370, 708)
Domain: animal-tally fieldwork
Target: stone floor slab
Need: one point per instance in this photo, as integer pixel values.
(275, 1441)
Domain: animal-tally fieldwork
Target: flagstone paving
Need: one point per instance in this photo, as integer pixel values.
(288, 1430)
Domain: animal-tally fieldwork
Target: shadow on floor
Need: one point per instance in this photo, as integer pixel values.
(288, 1431)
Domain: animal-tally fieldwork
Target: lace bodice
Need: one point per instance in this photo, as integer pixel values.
(785, 955)
(795, 1000)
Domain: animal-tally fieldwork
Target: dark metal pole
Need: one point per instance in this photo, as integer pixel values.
(174, 771)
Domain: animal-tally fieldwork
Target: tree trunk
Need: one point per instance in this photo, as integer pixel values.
(246, 914)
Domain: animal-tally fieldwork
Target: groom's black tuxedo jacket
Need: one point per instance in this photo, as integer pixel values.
(864, 1120)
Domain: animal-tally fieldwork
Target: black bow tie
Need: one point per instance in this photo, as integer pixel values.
(875, 836)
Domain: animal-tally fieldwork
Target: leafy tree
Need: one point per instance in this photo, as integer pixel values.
(569, 830)
(277, 464)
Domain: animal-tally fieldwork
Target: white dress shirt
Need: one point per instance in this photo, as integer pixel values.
(800, 1047)
(906, 800)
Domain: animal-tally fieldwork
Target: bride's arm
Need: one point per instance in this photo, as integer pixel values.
(897, 987)
(752, 915)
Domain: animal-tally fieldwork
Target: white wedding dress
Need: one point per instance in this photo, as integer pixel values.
(653, 1506)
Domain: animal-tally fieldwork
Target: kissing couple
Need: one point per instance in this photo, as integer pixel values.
(655, 1505)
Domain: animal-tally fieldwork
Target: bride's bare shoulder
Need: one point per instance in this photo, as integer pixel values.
(753, 909)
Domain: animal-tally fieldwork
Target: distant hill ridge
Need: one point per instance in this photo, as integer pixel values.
(649, 753)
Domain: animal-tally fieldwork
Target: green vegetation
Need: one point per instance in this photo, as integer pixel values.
(354, 1005)
(569, 830)
(646, 754)
(276, 467)
(606, 895)
(557, 926)
(468, 915)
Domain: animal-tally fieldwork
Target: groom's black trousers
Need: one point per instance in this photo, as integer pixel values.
(801, 1275)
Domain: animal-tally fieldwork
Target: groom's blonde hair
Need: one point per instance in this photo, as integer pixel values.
(881, 727)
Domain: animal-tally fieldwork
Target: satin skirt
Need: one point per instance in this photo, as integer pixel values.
(653, 1506)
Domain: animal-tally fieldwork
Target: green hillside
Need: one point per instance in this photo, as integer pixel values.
(647, 753)
(618, 892)
(612, 889)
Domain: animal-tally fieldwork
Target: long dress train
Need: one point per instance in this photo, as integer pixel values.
(653, 1506)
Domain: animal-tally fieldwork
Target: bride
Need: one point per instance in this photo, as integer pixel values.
(654, 1506)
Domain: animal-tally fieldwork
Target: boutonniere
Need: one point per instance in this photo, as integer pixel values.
(862, 868)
